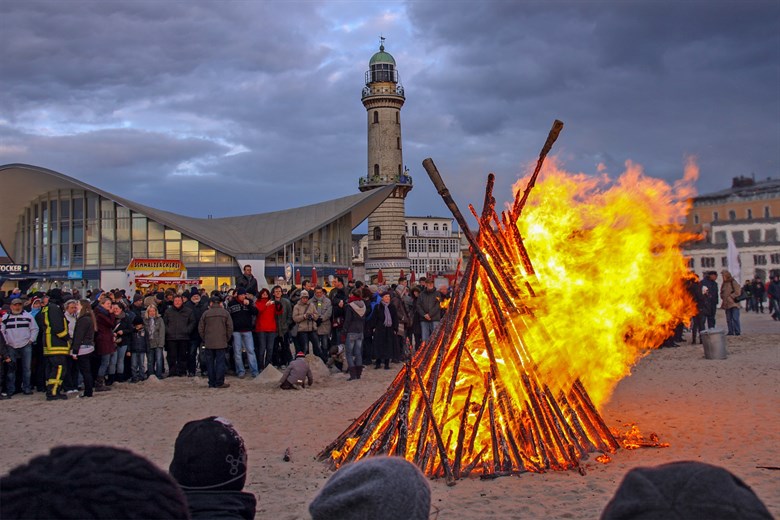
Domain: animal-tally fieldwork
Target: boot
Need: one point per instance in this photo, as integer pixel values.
(352, 374)
(359, 371)
(378, 364)
(100, 385)
(109, 380)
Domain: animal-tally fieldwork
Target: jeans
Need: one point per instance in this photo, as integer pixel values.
(112, 363)
(303, 339)
(84, 363)
(137, 365)
(215, 365)
(354, 349)
(324, 342)
(732, 321)
(25, 354)
(244, 339)
(427, 328)
(121, 350)
(105, 362)
(264, 345)
(154, 362)
(192, 356)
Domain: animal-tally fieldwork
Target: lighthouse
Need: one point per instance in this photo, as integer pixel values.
(383, 97)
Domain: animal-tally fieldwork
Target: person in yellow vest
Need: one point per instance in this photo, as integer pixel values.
(56, 344)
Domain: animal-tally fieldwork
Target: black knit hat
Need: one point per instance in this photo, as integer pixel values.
(138, 321)
(209, 454)
(682, 490)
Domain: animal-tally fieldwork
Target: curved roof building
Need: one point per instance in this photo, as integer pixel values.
(64, 228)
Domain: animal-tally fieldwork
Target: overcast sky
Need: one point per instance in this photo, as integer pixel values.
(234, 107)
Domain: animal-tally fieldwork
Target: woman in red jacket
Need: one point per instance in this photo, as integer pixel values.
(265, 328)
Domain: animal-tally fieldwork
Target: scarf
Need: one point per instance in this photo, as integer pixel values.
(388, 319)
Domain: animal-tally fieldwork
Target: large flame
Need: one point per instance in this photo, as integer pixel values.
(556, 305)
(608, 260)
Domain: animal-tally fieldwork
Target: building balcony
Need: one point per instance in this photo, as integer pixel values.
(384, 90)
(369, 182)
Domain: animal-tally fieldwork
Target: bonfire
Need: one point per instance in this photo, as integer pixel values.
(512, 378)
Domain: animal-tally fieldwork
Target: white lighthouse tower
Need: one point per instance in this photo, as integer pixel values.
(383, 97)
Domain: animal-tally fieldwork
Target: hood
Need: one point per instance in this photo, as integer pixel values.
(359, 307)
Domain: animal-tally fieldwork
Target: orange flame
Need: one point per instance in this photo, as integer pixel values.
(607, 255)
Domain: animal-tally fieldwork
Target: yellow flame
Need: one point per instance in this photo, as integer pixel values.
(608, 260)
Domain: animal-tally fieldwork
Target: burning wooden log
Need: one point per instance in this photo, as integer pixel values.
(473, 398)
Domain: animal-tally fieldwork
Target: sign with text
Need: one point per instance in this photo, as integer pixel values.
(156, 265)
(75, 275)
(14, 268)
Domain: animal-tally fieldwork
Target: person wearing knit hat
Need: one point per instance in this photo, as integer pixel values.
(682, 490)
(210, 464)
(380, 488)
(90, 482)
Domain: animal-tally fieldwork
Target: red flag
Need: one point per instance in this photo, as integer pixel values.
(411, 278)
(297, 277)
(380, 277)
(349, 275)
(314, 276)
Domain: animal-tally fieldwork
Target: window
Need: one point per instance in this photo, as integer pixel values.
(398, 118)
(690, 263)
(749, 213)
(433, 245)
(759, 259)
(398, 142)
(732, 215)
(724, 262)
(403, 242)
(425, 226)
(414, 229)
(754, 235)
(714, 216)
(377, 233)
(376, 169)
(707, 261)
(444, 227)
(775, 258)
(399, 170)
(770, 235)
(720, 237)
(696, 218)
(376, 116)
(766, 212)
(436, 227)
(739, 237)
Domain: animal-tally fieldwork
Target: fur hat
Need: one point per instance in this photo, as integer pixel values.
(209, 454)
(681, 490)
(380, 488)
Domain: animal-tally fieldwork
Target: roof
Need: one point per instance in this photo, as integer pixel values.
(757, 188)
(245, 236)
(381, 57)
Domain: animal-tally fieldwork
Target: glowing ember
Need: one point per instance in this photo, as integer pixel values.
(632, 438)
(565, 291)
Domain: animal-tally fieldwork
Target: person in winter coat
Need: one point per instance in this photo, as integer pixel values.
(123, 329)
(398, 299)
(139, 346)
(384, 321)
(265, 329)
(155, 334)
(104, 341)
(759, 295)
(216, 329)
(284, 322)
(728, 292)
(429, 309)
(83, 345)
(247, 281)
(198, 306)
(354, 326)
(5, 363)
(20, 331)
(305, 318)
(773, 291)
(711, 284)
(324, 324)
(338, 299)
(243, 312)
(56, 344)
(297, 373)
(179, 322)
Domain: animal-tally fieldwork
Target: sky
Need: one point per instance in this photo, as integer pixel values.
(236, 107)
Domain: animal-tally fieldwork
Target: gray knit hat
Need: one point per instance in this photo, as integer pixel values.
(682, 490)
(380, 488)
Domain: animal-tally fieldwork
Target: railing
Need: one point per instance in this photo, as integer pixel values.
(376, 180)
(368, 91)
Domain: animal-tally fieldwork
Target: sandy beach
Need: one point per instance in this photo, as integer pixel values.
(724, 412)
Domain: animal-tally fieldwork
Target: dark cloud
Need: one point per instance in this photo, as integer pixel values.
(247, 106)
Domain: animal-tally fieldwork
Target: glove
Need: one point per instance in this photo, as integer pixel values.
(319, 321)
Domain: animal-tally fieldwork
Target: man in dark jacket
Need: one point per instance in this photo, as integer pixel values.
(242, 311)
(216, 328)
(338, 300)
(198, 306)
(429, 309)
(712, 295)
(773, 290)
(179, 322)
(247, 281)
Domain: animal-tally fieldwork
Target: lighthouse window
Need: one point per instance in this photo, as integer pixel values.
(398, 118)
(377, 233)
(399, 169)
(398, 142)
(376, 116)
(403, 242)
(376, 169)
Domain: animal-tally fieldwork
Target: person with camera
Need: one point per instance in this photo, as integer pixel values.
(305, 318)
(243, 311)
(730, 292)
(265, 328)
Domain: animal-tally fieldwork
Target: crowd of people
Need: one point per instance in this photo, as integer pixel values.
(208, 472)
(60, 342)
(707, 295)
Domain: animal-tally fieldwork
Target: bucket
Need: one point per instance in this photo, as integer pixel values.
(714, 342)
